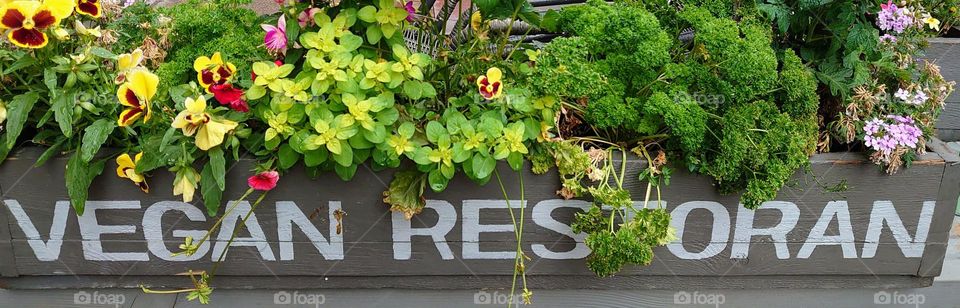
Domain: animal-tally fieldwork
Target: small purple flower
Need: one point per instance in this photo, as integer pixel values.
(886, 135)
(887, 38)
(892, 18)
(902, 94)
(920, 98)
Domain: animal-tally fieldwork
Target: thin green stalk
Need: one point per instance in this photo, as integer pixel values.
(225, 213)
(236, 230)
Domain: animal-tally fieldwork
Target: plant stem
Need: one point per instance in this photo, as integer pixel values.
(225, 213)
(236, 230)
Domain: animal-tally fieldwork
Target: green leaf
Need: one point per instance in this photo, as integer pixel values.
(288, 157)
(25, 60)
(515, 160)
(459, 154)
(405, 194)
(438, 182)
(94, 137)
(17, 113)
(79, 175)
(412, 89)
(255, 92)
(63, 112)
(435, 130)
(345, 158)
(103, 53)
(483, 165)
(345, 173)
(50, 79)
(367, 13)
(212, 194)
(315, 158)
(373, 34)
(52, 151)
(218, 165)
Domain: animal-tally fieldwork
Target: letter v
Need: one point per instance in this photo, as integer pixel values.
(49, 251)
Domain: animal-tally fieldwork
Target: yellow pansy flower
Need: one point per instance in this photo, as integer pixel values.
(490, 84)
(136, 94)
(28, 20)
(126, 169)
(195, 120)
(212, 70)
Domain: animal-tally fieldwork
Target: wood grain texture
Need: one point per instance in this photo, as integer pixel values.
(369, 246)
(944, 52)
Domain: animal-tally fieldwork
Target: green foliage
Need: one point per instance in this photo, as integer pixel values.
(129, 30)
(200, 28)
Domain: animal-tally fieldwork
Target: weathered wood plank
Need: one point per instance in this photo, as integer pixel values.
(870, 224)
(619, 282)
(943, 52)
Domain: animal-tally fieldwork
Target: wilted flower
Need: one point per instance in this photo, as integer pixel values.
(126, 168)
(83, 30)
(185, 184)
(305, 18)
(264, 181)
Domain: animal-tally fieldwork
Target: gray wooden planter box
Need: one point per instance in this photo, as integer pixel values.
(945, 52)
(881, 231)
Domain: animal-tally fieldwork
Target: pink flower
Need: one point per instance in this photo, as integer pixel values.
(264, 181)
(410, 10)
(276, 37)
(232, 97)
(306, 17)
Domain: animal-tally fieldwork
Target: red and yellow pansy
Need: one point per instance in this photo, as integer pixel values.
(26, 21)
(213, 71)
(126, 168)
(490, 85)
(89, 7)
(135, 94)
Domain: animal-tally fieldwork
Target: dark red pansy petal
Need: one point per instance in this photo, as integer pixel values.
(29, 38)
(483, 81)
(89, 7)
(224, 72)
(133, 112)
(206, 77)
(496, 87)
(12, 19)
(43, 19)
(132, 98)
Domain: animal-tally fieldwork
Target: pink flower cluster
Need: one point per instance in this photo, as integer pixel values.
(884, 135)
(893, 18)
